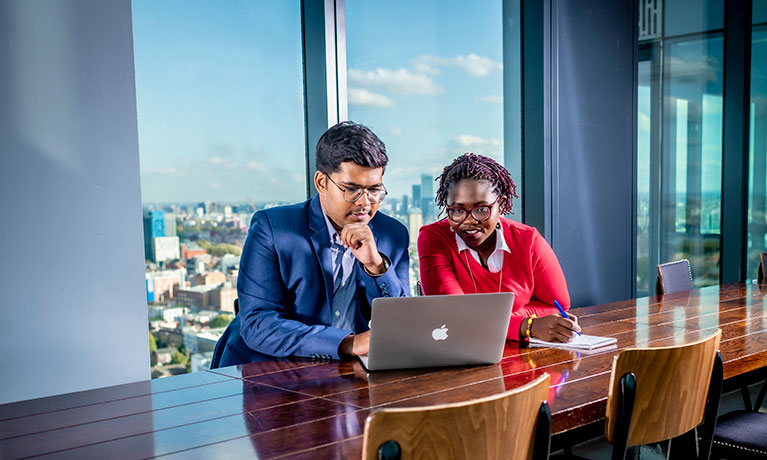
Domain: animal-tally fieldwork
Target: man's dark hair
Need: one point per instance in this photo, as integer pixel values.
(477, 167)
(349, 141)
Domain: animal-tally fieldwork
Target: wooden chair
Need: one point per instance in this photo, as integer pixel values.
(657, 394)
(418, 288)
(762, 268)
(514, 425)
(674, 277)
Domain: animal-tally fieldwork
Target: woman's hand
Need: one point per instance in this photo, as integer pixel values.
(555, 328)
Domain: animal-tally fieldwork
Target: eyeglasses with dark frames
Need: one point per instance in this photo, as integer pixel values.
(480, 213)
(376, 193)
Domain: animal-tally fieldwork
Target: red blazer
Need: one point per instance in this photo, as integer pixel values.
(531, 271)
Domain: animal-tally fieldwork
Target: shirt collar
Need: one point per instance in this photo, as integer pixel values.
(500, 243)
(335, 238)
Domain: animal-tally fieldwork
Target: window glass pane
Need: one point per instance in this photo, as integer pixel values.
(757, 171)
(759, 9)
(644, 122)
(692, 155)
(427, 77)
(221, 133)
(683, 17)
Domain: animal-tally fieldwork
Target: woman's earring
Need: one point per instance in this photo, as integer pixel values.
(498, 225)
(452, 229)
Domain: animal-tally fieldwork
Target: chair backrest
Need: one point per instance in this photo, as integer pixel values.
(495, 427)
(762, 268)
(671, 389)
(418, 288)
(674, 277)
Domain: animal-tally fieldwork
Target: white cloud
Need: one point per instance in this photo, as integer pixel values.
(172, 171)
(467, 140)
(401, 81)
(214, 185)
(364, 97)
(396, 131)
(256, 166)
(472, 64)
(491, 99)
(475, 144)
(422, 65)
(222, 162)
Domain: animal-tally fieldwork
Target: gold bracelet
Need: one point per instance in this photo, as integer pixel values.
(528, 332)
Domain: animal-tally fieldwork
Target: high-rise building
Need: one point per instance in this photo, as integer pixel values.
(169, 224)
(154, 226)
(165, 248)
(403, 209)
(414, 223)
(161, 285)
(195, 297)
(427, 196)
(209, 278)
(416, 195)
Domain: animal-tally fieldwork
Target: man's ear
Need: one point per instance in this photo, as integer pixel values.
(320, 182)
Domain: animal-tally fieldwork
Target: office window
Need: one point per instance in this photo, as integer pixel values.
(691, 170)
(757, 161)
(644, 119)
(427, 77)
(679, 140)
(221, 133)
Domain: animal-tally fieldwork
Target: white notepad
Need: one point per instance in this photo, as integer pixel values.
(580, 342)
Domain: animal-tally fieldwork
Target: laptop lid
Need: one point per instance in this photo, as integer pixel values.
(433, 331)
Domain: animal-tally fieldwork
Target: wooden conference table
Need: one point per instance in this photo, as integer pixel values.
(307, 409)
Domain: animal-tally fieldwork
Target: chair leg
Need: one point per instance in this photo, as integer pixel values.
(684, 446)
(542, 443)
(712, 408)
(626, 398)
(744, 392)
(760, 397)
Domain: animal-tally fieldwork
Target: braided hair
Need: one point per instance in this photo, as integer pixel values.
(477, 167)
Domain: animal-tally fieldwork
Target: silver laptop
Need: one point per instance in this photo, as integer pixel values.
(440, 330)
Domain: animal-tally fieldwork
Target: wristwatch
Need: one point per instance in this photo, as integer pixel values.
(386, 263)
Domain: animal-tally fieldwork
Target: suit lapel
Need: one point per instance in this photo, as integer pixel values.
(321, 243)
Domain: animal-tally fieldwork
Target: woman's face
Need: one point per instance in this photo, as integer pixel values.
(478, 195)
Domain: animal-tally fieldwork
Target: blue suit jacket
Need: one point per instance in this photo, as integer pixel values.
(285, 286)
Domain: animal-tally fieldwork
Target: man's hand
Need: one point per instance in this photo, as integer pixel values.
(554, 328)
(355, 345)
(360, 239)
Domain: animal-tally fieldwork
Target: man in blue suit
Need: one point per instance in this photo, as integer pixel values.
(310, 271)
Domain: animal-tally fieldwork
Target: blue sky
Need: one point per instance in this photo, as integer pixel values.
(220, 101)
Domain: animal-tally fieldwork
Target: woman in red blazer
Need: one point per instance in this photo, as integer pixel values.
(475, 250)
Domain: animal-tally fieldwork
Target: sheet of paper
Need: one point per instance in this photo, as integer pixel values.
(580, 342)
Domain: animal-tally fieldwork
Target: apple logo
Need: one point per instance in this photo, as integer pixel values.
(440, 333)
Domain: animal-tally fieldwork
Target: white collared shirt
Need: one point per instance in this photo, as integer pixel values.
(495, 261)
(348, 260)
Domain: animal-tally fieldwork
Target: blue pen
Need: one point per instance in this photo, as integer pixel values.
(562, 311)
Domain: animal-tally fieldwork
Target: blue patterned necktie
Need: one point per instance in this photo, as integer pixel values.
(338, 268)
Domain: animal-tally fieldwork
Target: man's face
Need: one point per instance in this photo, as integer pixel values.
(349, 176)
